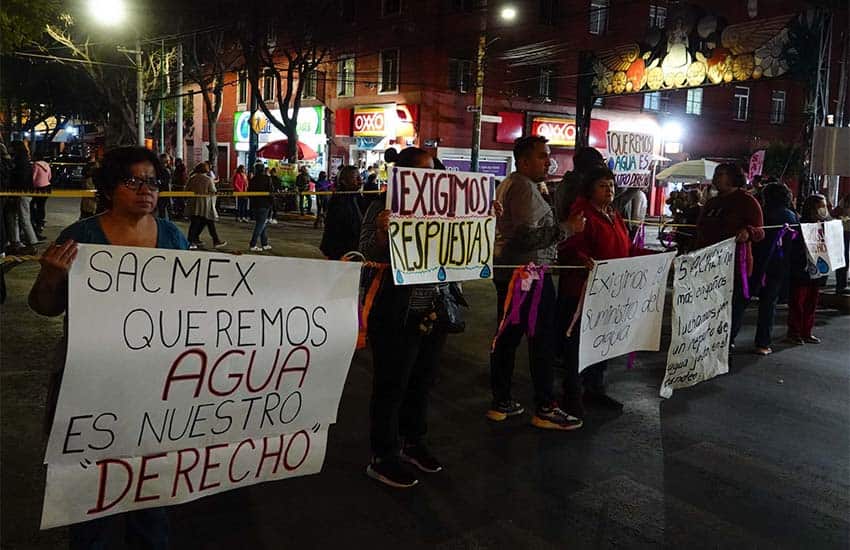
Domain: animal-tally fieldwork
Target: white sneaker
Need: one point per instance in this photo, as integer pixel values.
(256, 249)
(267, 247)
(193, 247)
(222, 244)
(273, 221)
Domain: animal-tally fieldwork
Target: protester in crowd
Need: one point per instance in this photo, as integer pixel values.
(806, 280)
(732, 213)
(202, 208)
(240, 185)
(528, 232)
(5, 174)
(631, 203)
(584, 159)
(41, 180)
(260, 183)
(163, 206)
(128, 182)
(605, 237)
(406, 344)
(277, 185)
(178, 183)
(344, 217)
(302, 184)
(323, 185)
(842, 211)
(772, 261)
(371, 185)
(17, 214)
(88, 205)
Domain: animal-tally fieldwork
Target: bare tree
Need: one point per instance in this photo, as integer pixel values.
(302, 37)
(207, 57)
(113, 77)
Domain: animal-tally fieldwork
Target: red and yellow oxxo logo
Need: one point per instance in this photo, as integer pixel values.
(370, 121)
(559, 131)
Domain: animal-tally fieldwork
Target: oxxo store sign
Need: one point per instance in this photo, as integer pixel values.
(561, 132)
(387, 120)
(311, 127)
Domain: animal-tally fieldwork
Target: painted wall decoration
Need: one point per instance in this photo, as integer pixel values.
(696, 50)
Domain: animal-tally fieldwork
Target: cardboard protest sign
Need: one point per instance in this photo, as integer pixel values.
(440, 225)
(824, 246)
(181, 351)
(623, 305)
(702, 313)
(630, 158)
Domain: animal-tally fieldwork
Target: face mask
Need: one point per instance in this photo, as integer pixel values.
(823, 213)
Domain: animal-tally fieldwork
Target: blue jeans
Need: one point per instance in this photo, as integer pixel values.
(242, 208)
(145, 529)
(261, 220)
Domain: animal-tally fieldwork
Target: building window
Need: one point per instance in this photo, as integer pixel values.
(657, 16)
(242, 88)
(345, 77)
(268, 85)
(389, 71)
(599, 16)
(544, 84)
(777, 107)
(550, 11)
(390, 7)
(652, 101)
(464, 5)
(460, 75)
(742, 103)
(693, 104)
(311, 85)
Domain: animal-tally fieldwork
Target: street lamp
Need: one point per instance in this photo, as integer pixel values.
(508, 13)
(110, 13)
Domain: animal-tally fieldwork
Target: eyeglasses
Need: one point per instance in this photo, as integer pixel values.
(135, 183)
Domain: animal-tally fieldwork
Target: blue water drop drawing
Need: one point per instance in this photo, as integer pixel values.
(823, 267)
(485, 272)
(398, 277)
(441, 274)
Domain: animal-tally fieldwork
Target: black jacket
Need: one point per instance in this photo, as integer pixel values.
(261, 183)
(342, 226)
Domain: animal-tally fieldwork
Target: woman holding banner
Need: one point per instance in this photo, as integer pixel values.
(128, 184)
(733, 213)
(605, 237)
(406, 347)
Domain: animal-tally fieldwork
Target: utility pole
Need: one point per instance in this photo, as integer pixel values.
(178, 150)
(479, 92)
(163, 68)
(140, 95)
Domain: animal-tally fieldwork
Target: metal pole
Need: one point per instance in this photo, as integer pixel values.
(178, 150)
(162, 70)
(140, 96)
(479, 97)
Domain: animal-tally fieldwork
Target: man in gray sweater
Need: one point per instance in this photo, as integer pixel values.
(528, 232)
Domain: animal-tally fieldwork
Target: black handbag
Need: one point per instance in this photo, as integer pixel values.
(449, 302)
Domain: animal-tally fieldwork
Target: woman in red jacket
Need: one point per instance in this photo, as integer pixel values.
(240, 185)
(605, 237)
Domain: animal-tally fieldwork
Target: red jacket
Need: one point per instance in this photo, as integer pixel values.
(603, 238)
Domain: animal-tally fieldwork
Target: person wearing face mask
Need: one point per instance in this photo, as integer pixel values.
(528, 232)
(605, 237)
(732, 213)
(806, 281)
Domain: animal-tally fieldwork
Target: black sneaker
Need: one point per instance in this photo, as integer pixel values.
(391, 472)
(419, 456)
(602, 401)
(553, 418)
(501, 410)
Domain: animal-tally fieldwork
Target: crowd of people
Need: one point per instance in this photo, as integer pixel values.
(576, 225)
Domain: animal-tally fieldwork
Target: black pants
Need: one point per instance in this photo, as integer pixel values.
(768, 298)
(541, 346)
(405, 363)
(197, 225)
(38, 212)
(592, 379)
(739, 305)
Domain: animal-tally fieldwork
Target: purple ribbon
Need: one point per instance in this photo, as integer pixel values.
(535, 300)
(742, 265)
(778, 247)
(640, 237)
(630, 364)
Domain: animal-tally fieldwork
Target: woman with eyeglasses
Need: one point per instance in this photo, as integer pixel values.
(127, 183)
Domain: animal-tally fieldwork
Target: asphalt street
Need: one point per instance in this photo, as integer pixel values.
(758, 458)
